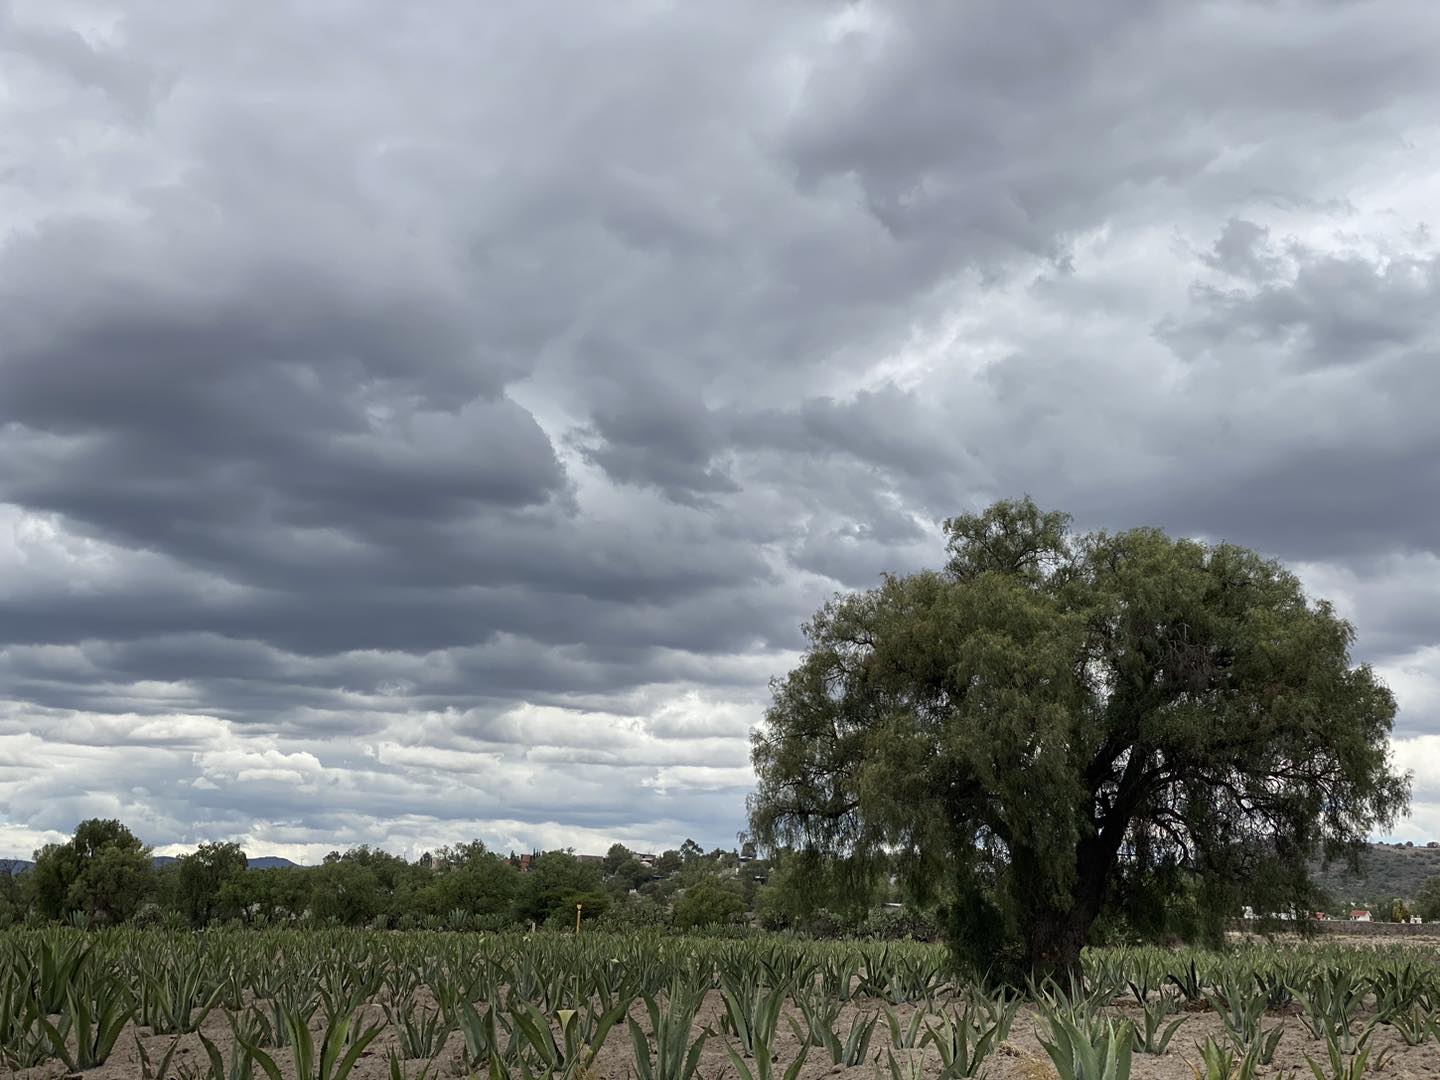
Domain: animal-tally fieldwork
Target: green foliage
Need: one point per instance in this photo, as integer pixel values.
(556, 882)
(1008, 726)
(337, 1051)
(1156, 1029)
(615, 857)
(675, 1055)
(752, 1012)
(1096, 1051)
(707, 903)
(1427, 900)
(205, 882)
(344, 891)
(1344, 1064)
(96, 1012)
(103, 871)
(963, 1044)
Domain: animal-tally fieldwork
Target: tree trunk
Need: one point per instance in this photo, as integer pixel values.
(1057, 936)
(1055, 941)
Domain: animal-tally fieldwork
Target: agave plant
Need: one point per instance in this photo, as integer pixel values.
(1153, 1034)
(963, 1047)
(905, 1036)
(568, 1055)
(149, 1071)
(675, 1055)
(1342, 1064)
(752, 1013)
(420, 1032)
(93, 1019)
(1100, 1051)
(763, 1064)
(1416, 1026)
(337, 1051)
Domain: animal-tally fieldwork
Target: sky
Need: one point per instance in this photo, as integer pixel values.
(431, 421)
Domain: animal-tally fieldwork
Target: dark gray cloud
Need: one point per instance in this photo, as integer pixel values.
(424, 423)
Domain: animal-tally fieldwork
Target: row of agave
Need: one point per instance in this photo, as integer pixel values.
(544, 1005)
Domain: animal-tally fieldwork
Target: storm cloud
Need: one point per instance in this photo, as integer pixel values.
(430, 421)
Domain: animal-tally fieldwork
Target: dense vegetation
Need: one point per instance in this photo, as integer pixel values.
(105, 876)
(1385, 873)
(311, 1004)
(1059, 730)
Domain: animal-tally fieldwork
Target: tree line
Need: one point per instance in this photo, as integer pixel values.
(104, 875)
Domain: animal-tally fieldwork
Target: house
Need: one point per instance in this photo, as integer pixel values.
(645, 859)
(1416, 920)
(1360, 915)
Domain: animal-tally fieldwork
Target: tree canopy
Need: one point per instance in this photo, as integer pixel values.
(205, 882)
(1427, 904)
(1058, 724)
(103, 870)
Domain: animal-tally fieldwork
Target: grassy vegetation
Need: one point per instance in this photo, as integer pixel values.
(315, 1003)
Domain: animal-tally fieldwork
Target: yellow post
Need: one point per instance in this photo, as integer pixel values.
(577, 918)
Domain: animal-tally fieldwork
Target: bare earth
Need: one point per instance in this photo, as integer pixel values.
(1020, 1058)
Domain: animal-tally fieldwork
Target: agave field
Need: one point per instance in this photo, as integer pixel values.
(331, 1004)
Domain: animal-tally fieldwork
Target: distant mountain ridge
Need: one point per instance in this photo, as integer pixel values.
(260, 862)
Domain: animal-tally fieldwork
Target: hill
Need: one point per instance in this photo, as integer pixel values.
(1386, 872)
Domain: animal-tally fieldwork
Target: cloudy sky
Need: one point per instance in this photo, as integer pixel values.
(433, 420)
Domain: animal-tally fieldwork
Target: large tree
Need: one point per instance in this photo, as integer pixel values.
(205, 882)
(1059, 725)
(103, 871)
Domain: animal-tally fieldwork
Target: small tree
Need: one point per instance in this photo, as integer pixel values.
(1427, 902)
(615, 858)
(1057, 724)
(707, 903)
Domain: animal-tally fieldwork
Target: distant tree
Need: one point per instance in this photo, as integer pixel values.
(1058, 723)
(459, 855)
(707, 903)
(629, 875)
(1398, 911)
(1427, 901)
(103, 870)
(668, 862)
(12, 899)
(614, 858)
(480, 883)
(690, 851)
(281, 892)
(201, 880)
(801, 884)
(346, 891)
(556, 882)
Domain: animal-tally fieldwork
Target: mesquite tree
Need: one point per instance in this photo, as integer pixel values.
(1057, 725)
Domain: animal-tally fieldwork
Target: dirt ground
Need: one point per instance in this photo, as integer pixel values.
(1021, 1057)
